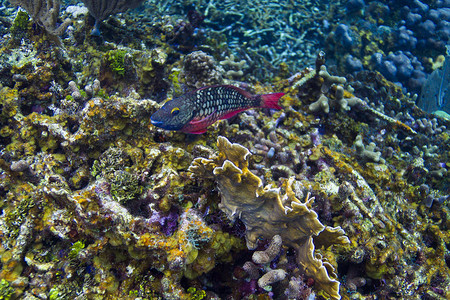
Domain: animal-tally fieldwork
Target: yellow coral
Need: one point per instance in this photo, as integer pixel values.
(8, 101)
(266, 211)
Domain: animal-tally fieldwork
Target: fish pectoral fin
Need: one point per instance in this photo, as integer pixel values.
(231, 114)
(196, 121)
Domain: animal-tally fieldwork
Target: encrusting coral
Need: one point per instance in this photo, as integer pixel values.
(266, 211)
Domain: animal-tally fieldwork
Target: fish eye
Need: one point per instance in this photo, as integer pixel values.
(175, 111)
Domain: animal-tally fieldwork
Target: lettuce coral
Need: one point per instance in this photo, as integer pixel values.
(266, 211)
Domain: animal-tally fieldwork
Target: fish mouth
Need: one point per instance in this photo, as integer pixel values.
(157, 123)
(164, 125)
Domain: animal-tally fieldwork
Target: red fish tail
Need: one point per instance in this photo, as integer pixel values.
(271, 100)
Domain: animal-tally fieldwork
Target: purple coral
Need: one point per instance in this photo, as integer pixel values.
(169, 223)
(298, 289)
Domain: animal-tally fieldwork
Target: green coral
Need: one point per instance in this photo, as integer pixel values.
(223, 242)
(102, 94)
(8, 104)
(114, 166)
(6, 290)
(20, 23)
(54, 294)
(174, 78)
(377, 271)
(111, 160)
(76, 248)
(195, 294)
(125, 186)
(15, 218)
(116, 59)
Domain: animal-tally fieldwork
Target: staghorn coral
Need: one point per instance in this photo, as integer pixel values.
(269, 34)
(429, 127)
(78, 95)
(362, 210)
(405, 258)
(266, 211)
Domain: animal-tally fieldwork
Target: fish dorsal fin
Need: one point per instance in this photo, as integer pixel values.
(243, 92)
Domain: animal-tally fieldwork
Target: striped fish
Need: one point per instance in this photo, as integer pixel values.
(193, 112)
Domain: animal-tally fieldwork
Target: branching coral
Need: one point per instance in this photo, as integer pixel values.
(266, 211)
(340, 100)
(235, 69)
(367, 152)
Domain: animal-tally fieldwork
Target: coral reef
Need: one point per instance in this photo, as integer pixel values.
(96, 202)
(399, 48)
(265, 212)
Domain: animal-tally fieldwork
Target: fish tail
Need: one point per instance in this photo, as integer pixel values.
(271, 100)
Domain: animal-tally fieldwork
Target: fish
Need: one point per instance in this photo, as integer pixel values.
(194, 111)
(435, 94)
